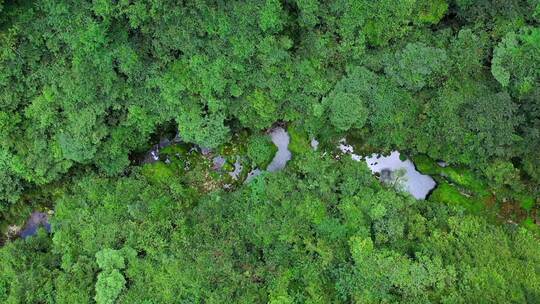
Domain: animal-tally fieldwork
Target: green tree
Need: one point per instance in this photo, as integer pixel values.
(28, 270)
(469, 124)
(516, 60)
(418, 66)
(346, 111)
(108, 286)
(261, 150)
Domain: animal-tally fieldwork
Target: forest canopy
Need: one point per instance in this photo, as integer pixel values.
(88, 88)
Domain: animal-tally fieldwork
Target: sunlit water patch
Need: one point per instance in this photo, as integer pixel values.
(401, 173)
(281, 139)
(397, 173)
(36, 220)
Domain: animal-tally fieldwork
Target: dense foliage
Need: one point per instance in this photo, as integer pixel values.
(321, 231)
(88, 82)
(87, 87)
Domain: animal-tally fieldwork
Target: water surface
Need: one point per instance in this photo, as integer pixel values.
(391, 169)
(281, 139)
(36, 220)
(417, 184)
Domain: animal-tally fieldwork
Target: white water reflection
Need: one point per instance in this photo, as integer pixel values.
(442, 164)
(281, 139)
(252, 174)
(36, 220)
(344, 147)
(414, 182)
(393, 171)
(314, 144)
(235, 174)
(153, 155)
(401, 175)
(218, 162)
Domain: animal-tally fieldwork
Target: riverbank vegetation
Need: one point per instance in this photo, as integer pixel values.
(321, 230)
(87, 88)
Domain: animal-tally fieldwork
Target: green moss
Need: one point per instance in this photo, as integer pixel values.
(159, 172)
(527, 202)
(238, 146)
(426, 165)
(228, 166)
(529, 224)
(467, 179)
(462, 177)
(448, 194)
(176, 149)
(246, 168)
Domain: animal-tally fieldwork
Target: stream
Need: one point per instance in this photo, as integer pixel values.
(391, 170)
(402, 174)
(394, 172)
(33, 223)
(281, 140)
